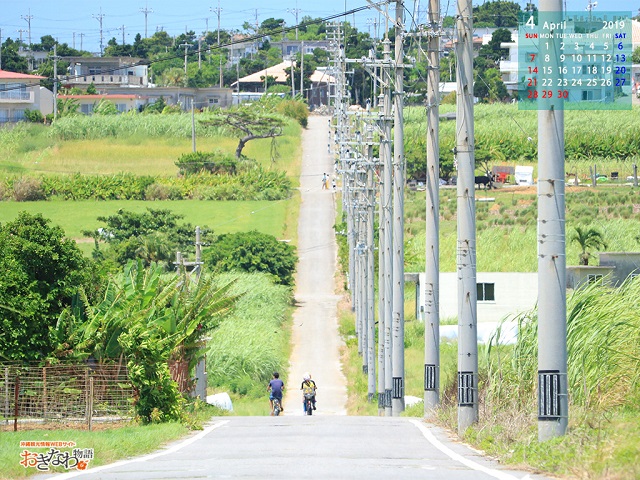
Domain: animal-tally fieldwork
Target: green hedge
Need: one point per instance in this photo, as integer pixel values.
(254, 183)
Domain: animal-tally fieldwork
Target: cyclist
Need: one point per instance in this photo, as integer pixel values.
(308, 386)
(275, 388)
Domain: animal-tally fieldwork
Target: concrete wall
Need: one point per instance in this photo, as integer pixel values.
(625, 263)
(514, 293)
(578, 275)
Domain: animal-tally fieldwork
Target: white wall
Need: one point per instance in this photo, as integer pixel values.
(514, 293)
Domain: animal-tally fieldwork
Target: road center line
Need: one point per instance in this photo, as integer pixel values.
(457, 457)
(145, 458)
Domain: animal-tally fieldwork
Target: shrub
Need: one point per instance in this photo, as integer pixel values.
(157, 191)
(214, 162)
(295, 109)
(253, 252)
(27, 189)
(33, 116)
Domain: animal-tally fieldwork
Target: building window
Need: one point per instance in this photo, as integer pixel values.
(4, 115)
(594, 278)
(86, 108)
(214, 101)
(14, 91)
(121, 107)
(486, 292)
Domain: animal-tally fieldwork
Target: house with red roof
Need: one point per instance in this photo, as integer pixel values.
(20, 92)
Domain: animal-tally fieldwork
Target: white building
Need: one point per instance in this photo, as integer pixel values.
(20, 92)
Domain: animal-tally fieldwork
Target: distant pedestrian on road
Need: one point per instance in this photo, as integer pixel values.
(324, 181)
(333, 183)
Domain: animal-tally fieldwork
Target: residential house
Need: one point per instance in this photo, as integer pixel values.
(290, 48)
(20, 92)
(239, 49)
(105, 72)
(212, 97)
(502, 294)
(256, 81)
(123, 102)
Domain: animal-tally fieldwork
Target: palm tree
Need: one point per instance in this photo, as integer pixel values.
(587, 238)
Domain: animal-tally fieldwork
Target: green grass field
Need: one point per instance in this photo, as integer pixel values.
(222, 217)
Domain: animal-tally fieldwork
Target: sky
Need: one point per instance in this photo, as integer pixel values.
(77, 23)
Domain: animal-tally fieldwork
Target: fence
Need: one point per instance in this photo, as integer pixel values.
(64, 393)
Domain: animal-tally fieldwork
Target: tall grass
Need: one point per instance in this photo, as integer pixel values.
(129, 125)
(222, 217)
(253, 342)
(603, 336)
(506, 238)
(507, 135)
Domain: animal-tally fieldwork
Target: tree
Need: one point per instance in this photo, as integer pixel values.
(42, 272)
(587, 238)
(248, 124)
(498, 13)
(11, 61)
(252, 252)
(152, 236)
(105, 107)
(489, 86)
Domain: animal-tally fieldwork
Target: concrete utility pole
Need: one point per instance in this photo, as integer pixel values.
(386, 204)
(553, 406)
(397, 403)
(186, 47)
(55, 81)
(370, 284)
(21, 46)
(218, 12)
(28, 18)
(99, 17)
(146, 12)
(122, 28)
(466, 257)
(385, 306)
(302, 69)
(0, 49)
(81, 37)
(432, 265)
(295, 12)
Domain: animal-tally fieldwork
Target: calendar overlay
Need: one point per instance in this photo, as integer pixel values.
(575, 61)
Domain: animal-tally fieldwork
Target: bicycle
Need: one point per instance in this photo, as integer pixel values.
(277, 408)
(308, 403)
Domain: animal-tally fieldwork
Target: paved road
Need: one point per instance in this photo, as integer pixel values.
(315, 338)
(317, 447)
(329, 445)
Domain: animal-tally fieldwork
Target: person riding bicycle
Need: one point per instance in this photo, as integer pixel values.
(275, 388)
(308, 387)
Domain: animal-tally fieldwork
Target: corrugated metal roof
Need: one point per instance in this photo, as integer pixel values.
(5, 75)
(277, 71)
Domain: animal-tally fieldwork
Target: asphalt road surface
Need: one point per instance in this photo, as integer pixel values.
(328, 445)
(316, 447)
